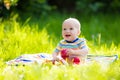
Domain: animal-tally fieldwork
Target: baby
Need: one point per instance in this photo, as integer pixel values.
(72, 48)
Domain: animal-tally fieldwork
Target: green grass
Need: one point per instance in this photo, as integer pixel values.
(43, 34)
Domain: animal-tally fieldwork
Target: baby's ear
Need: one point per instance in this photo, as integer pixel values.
(79, 33)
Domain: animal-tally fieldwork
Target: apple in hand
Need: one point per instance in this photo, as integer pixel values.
(64, 54)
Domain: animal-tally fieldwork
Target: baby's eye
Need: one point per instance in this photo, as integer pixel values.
(71, 28)
(64, 29)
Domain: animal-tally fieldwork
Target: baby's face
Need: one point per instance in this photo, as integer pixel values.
(69, 31)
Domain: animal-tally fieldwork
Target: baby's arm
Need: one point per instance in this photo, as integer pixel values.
(54, 55)
(80, 52)
(57, 57)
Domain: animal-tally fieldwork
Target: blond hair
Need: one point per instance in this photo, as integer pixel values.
(73, 21)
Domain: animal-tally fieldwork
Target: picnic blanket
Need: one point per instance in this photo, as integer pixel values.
(41, 58)
(102, 59)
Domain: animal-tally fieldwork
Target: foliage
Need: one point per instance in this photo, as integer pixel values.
(34, 6)
(44, 7)
(87, 6)
(97, 6)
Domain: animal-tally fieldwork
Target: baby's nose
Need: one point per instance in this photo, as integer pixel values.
(67, 30)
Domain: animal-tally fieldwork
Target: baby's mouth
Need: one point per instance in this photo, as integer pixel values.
(67, 35)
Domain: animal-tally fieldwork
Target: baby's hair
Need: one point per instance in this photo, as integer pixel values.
(73, 21)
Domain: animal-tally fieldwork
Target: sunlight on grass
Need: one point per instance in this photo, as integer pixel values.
(62, 72)
(16, 41)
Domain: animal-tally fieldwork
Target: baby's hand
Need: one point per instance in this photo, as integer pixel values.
(64, 54)
(70, 51)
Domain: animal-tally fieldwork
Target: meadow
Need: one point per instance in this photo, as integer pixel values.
(41, 34)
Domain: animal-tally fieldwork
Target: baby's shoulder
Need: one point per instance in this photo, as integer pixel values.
(63, 41)
(82, 39)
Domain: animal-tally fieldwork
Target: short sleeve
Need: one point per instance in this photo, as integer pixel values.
(82, 44)
(58, 48)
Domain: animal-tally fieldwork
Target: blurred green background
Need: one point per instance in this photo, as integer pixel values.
(99, 18)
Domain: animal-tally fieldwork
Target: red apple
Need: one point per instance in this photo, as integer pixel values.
(64, 54)
(76, 60)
